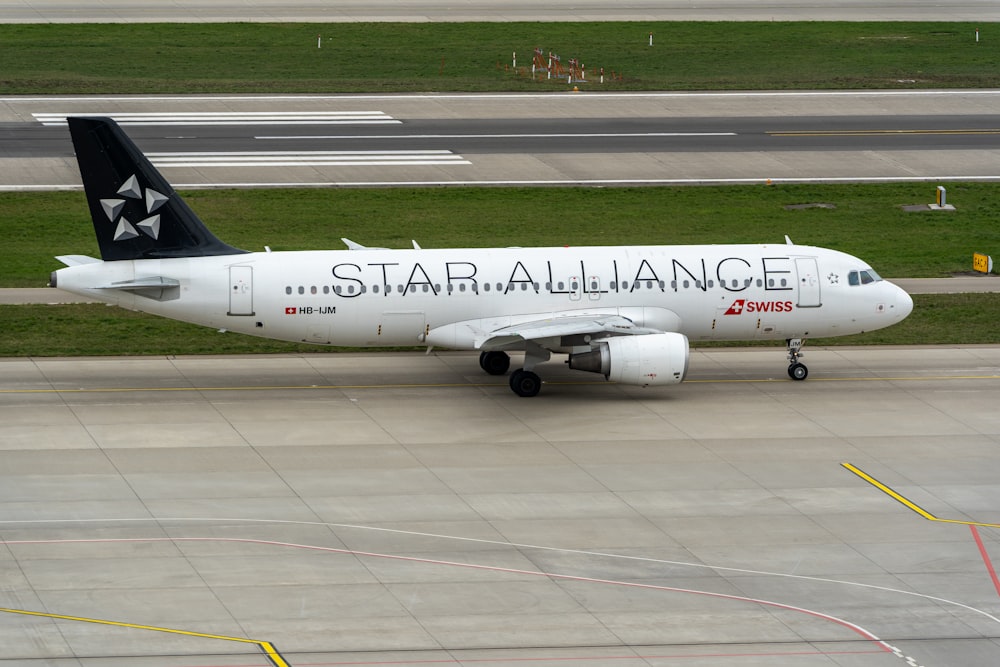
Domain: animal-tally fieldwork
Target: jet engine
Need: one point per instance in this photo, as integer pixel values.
(652, 359)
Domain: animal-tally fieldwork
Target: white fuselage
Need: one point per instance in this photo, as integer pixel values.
(379, 297)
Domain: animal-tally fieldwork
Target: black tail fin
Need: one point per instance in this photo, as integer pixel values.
(137, 215)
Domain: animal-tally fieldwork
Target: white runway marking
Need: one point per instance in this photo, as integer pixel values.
(230, 118)
(308, 159)
(547, 135)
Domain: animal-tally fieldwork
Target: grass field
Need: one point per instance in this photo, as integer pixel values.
(386, 57)
(868, 221)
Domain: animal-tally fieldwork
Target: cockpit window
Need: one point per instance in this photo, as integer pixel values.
(865, 277)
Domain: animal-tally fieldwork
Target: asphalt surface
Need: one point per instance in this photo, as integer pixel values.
(197, 11)
(406, 509)
(520, 139)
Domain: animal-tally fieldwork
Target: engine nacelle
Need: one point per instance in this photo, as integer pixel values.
(653, 359)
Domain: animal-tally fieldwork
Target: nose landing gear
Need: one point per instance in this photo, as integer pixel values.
(796, 369)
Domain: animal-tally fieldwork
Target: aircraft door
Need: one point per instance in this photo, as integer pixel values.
(808, 271)
(575, 286)
(594, 287)
(403, 327)
(241, 290)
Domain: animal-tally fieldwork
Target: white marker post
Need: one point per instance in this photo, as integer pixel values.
(514, 59)
(319, 41)
(650, 39)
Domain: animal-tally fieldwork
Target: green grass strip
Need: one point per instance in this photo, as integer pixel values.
(396, 57)
(867, 221)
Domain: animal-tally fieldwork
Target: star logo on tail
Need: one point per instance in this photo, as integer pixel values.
(134, 199)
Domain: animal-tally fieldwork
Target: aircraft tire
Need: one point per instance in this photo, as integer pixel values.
(525, 383)
(798, 371)
(494, 363)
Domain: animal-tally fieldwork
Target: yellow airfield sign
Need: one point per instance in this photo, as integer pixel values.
(982, 263)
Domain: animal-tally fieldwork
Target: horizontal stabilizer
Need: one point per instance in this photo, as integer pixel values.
(77, 260)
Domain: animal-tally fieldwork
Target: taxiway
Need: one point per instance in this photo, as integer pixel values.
(402, 508)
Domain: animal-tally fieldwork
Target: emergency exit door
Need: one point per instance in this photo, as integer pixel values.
(241, 290)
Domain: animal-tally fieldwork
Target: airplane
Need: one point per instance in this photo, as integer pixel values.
(625, 312)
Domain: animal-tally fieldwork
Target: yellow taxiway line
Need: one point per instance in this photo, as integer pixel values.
(900, 498)
(266, 647)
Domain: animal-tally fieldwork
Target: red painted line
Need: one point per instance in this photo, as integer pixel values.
(986, 558)
(858, 630)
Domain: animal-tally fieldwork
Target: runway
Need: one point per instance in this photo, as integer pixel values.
(185, 11)
(522, 139)
(404, 509)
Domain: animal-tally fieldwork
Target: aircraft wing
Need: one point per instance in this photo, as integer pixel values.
(548, 329)
(561, 325)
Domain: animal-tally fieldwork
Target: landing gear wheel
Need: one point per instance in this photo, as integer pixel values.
(798, 371)
(494, 363)
(525, 383)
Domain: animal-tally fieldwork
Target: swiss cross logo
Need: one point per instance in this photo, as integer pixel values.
(290, 310)
(741, 306)
(737, 307)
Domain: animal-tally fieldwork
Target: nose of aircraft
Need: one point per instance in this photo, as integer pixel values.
(903, 305)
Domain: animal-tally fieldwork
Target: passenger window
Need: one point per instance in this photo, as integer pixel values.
(288, 290)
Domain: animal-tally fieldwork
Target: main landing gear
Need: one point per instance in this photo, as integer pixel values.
(524, 381)
(796, 369)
